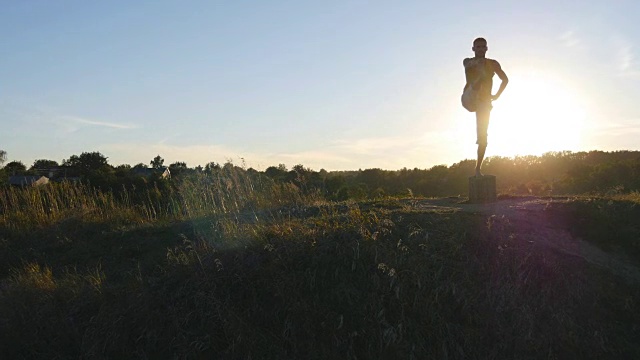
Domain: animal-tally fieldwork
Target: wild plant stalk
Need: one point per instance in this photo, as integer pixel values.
(45, 205)
(229, 190)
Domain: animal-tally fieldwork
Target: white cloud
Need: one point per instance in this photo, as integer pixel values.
(627, 62)
(570, 39)
(619, 127)
(371, 146)
(314, 158)
(193, 155)
(614, 134)
(392, 152)
(75, 123)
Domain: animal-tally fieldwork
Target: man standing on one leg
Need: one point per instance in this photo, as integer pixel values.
(477, 96)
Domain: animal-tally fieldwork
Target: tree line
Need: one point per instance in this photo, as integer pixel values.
(553, 173)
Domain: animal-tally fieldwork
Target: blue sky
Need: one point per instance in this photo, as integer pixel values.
(334, 84)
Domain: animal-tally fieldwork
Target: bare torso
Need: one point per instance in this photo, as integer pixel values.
(479, 74)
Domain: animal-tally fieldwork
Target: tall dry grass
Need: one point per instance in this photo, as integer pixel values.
(233, 265)
(227, 191)
(45, 205)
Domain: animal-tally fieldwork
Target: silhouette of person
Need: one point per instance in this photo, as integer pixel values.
(476, 96)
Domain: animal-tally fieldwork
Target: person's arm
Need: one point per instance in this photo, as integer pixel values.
(472, 81)
(505, 80)
(465, 63)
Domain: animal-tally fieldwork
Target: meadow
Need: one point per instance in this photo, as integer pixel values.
(234, 265)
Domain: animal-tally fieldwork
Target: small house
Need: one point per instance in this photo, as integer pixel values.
(21, 180)
(162, 172)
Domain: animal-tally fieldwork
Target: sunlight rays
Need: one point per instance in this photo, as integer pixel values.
(536, 114)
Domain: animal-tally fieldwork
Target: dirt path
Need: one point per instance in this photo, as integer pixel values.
(529, 219)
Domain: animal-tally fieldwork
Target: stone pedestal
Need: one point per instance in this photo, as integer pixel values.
(482, 189)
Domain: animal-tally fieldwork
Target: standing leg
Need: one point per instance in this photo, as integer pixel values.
(482, 125)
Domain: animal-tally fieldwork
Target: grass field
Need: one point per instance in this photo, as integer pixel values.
(235, 269)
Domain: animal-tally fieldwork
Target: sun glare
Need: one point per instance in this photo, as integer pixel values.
(535, 115)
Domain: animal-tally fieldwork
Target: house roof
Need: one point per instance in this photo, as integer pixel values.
(149, 171)
(27, 180)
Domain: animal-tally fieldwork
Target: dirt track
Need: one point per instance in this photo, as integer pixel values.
(529, 219)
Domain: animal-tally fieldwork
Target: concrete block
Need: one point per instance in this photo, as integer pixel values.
(482, 189)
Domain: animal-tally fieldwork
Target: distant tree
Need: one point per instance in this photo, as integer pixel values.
(333, 186)
(300, 169)
(73, 161)
(299, 175)
(87, 161)
(15, 168)
(276, 173)
(374, 178)
(252, 171)
(44, 164)
(3, 156)
(178, 165)
(210, 167)
(139, 166)
(123, 170)
(178, 168)
(229, 165)
(157, 162)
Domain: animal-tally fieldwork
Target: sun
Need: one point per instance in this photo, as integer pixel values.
(534, 115)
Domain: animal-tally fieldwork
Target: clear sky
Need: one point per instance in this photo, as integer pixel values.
(339, 85)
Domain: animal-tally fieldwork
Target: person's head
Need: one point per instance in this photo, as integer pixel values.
(480, 47)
